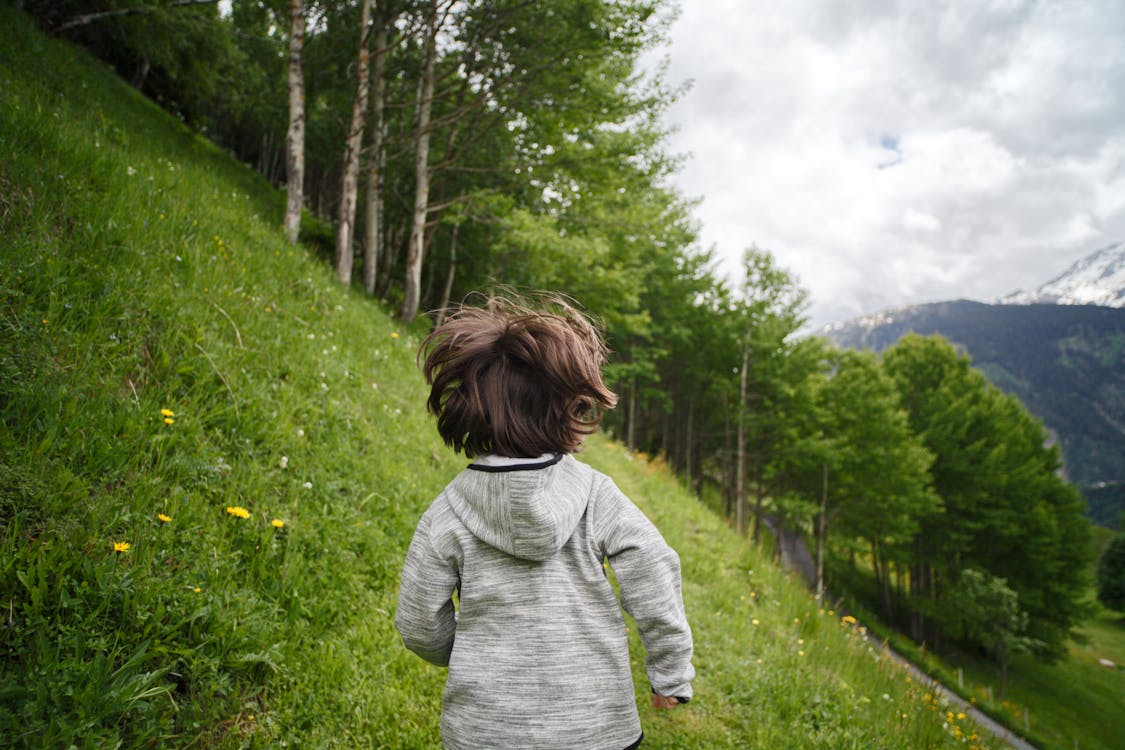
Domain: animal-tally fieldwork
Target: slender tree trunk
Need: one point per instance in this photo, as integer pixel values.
(759, 502)
(295, 135)
(413, 282)
(740, 458)
(448, 291)
(631, 433)
(728, 499)
(1003, 672)
(821, 532)
(373, 226)
(349, 184)
(392, 242)
(690, 436)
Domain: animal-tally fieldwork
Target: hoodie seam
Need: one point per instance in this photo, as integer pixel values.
(517, 467)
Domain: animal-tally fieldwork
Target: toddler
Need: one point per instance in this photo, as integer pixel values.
(504, 580)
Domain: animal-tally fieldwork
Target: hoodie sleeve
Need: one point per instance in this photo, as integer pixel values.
(648, 572)
(425, 618)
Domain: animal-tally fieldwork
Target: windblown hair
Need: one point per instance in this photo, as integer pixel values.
(514, 380)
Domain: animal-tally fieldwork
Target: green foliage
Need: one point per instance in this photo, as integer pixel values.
(1066, 363)
(1111, 575)
(988, 613)
(1006, 511)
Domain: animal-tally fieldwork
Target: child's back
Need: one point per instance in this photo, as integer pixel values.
(538, 654)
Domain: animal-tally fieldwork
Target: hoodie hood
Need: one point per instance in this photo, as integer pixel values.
(525, 510)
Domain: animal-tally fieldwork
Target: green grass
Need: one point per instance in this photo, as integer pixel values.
(143, 270)
(1075, 700)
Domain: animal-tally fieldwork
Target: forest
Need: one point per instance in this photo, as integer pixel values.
(435, 148)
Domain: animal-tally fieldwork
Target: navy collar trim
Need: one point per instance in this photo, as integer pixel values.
(518, 467)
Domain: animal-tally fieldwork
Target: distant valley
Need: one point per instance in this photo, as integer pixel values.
(1062, 356)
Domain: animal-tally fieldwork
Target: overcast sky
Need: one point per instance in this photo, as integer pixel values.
(892, 153)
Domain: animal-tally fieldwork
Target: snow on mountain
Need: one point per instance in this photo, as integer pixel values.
(1097, 279)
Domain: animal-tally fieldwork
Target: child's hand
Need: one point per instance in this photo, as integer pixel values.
(664, 701)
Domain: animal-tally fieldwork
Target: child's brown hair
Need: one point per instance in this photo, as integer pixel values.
(516, 380)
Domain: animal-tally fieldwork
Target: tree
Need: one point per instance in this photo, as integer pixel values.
(349, 183)
(1111, 575)
(1006, 510)
(878, 482)
(412, 291)
(988, 613)
(769, 311)
(295, 134)
(373, 225)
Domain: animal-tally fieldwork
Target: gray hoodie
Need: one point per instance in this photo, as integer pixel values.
(538, 655)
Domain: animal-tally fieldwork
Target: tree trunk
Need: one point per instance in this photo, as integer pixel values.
(687, 440)
(413, 281)
(448, 291)
(392, 242)
(295, 134)
(631, 432)
(373, 225)
(1003, 654)
(740, 457)
(349, 183)
(86, 18)
(821, 533)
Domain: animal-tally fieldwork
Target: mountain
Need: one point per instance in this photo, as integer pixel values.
(1097, 279)
(1065, 362)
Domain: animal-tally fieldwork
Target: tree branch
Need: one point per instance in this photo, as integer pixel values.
(86, 18)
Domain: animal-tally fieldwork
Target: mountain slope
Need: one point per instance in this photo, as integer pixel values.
(1066, 363)
(212, 458)
(1097, 279)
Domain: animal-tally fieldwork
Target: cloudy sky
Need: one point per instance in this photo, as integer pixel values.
(891, 153)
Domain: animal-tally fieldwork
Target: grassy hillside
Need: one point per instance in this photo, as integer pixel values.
(212, 458)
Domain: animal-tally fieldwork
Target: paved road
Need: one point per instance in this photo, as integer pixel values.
(795, 557)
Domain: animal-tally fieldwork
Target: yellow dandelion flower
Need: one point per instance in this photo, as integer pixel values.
(960, 716)
(169, 420)
(277, 523)
(238, 510)
(197, 589)
(755, 621)
(121, 546)
(163, 518)
(847, 620)
(394, 334)
(167, 413)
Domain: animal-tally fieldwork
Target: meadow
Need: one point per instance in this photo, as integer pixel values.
(212, 457)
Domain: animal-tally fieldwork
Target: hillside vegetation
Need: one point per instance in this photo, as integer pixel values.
(1066, 364)
(212, 457)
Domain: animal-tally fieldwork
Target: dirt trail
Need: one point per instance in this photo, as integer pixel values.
(795, 557)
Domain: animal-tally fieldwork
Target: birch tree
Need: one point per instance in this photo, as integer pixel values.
(349, 183)
(412, 286)
(373, 225)
(295, 134)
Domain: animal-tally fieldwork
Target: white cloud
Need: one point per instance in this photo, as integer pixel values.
(892, 153)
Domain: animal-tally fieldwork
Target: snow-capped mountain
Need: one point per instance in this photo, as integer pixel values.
(1097, 279)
